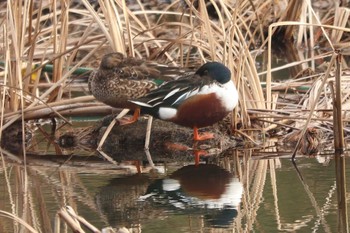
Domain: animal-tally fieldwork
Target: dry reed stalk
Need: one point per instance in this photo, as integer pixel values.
(298, 117)
(4, 88)
(32, 37)
(61, 67)
(79, 109)
(21, 112)
(339, 143)
(47, 92)
(81, 220)
(14, 67)
(128, 30)
(76, 100)
(341, 19)
(274, 103)
(114, 24)
(72, 223)
(295, 63)
(253, 82)
(312, 107)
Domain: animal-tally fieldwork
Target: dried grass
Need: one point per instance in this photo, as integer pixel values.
(57, 37)
(39, 33)
(52, 32)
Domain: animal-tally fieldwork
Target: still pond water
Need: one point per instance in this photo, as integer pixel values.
(233, 193)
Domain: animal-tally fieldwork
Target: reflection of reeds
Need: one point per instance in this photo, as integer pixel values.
(255, 182)
(34, 191)
(48, 187)
(340, 170)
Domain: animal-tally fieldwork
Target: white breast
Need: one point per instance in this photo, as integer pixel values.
(226, 93)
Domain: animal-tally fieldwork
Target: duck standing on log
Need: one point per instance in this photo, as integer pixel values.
(196, 100)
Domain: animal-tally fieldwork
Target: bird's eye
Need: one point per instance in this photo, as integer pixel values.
(119, 71)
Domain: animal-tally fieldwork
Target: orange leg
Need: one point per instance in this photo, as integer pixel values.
(138, 166)
(197, 154)
(134, 118)
(203, 136)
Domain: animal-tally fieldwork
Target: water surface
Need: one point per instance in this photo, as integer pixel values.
(234, 193)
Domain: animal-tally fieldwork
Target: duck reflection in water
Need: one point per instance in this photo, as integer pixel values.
(206, 189)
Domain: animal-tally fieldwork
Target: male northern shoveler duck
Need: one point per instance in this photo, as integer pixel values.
(120, 78)
(195, 101)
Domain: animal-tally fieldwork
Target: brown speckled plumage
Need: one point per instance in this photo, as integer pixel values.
(120, 78)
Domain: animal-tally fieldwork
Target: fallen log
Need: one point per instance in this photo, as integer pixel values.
(167, 142)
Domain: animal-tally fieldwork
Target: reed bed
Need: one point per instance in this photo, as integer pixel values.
(68, 35)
